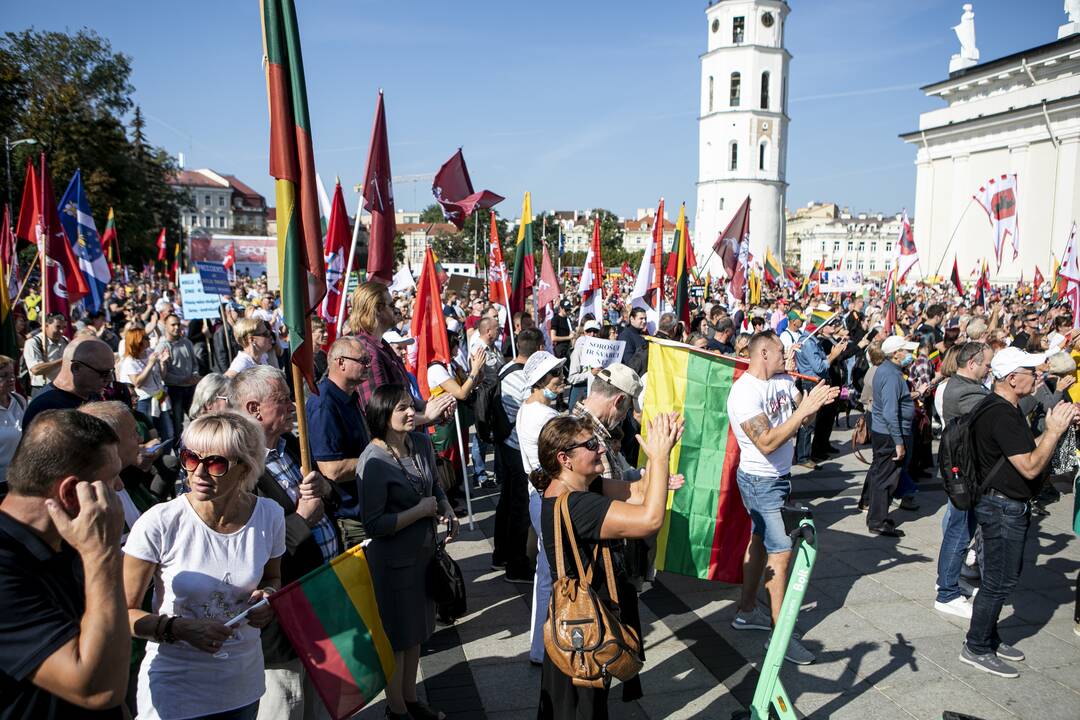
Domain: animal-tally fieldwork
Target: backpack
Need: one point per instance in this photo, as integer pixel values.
(958, 462)
(492, 425)
(585, 637)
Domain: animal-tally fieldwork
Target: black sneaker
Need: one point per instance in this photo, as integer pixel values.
(988, 663)
(518, 579)
(1008, 652)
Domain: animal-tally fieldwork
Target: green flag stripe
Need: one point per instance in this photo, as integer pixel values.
(523, 250)
(701, 460)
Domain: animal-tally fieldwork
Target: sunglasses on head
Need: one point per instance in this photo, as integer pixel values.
(592, 445)
(216, 465)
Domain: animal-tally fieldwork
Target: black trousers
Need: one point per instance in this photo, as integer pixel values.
(512, 512)
(823, 427)
(180, 397)
(882, 478)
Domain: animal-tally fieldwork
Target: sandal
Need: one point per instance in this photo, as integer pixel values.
(420, 711)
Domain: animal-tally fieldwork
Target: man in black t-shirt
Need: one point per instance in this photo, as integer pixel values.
(561, 331)
(1011, 467)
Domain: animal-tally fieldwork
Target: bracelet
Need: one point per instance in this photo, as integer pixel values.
(167, 633)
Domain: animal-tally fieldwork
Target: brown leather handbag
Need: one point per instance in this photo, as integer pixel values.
(584, 635)
(860, 436)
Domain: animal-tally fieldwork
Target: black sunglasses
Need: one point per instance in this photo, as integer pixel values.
(362, 361)
(103, 374)
(592, 445)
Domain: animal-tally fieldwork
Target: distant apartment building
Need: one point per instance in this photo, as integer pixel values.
(858, 242)
(220, 203)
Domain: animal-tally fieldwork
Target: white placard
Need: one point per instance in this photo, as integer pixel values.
(597, 353)
(196, 303)
(841, 281)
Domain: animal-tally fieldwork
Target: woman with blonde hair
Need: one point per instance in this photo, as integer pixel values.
(255, 340)
(142, 369)
(212, 553)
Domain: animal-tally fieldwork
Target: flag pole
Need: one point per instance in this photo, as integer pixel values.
(25, 279)
(464, 471)
(348, 266)
(299, 382)
(475, 239)
(506, 294)
(953, 235)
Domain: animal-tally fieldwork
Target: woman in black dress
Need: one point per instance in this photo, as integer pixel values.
(570, 459)
(401, 503)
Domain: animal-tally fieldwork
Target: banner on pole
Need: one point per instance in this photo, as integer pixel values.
(214, 278)
(197, 304)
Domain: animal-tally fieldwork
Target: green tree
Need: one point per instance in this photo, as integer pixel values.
(431, 214)
(71, 92)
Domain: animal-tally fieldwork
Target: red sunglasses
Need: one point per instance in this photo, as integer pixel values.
(216, 465)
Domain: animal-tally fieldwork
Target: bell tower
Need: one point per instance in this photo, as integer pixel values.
(742, 124)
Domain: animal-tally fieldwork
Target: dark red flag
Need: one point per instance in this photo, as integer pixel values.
(1037, 280)
(161, 249)
(955, 277)
(379, 201)
(428, 324)
(453, 190)
(733, 247)
(39, 223)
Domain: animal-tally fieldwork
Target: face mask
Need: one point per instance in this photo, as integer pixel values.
(908, 359)
(550, 395)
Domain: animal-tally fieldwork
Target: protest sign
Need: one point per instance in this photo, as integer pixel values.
(841, 281)
(597, 353)
(197, 304)
(214, 278)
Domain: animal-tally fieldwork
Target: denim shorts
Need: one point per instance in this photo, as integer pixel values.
(763, 497)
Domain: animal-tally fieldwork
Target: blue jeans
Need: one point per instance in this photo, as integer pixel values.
(162, 423)
(957, 527)
(478, 450)
(1004, 525)
(763, 497)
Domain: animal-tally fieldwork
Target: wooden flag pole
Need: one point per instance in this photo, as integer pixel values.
(25, 279)
(298, 395)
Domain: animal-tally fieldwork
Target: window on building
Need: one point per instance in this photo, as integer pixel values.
(209, 221)
(206, 200)
(850, 246)
(733, 162)
(761, 156)
(738, 29)
(721, 203)
(710, 93)
(221, 201)
(736, 89)
(873, 248)
(836, 247)
(873, 264)
(221, 222)
(860, 266)
(765, 90)
(862, 247)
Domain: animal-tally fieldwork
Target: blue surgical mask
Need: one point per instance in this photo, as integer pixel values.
(550, 395)
(908, 359)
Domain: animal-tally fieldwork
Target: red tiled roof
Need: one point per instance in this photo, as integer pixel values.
(241, 188)
(423, 227)
(193, 179)
(646, 224)
(271, 214)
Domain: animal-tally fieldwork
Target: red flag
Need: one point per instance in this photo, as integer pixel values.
(591, 285)
(548, 293)
(379, 201)
(338, 241)
(453, 190)
(428, 325)
(39, 223)
(496, 267)
(657, 284)
(733, 247)
(161, 246)
(1037, 280)
(626, 271)
(956, 277)
(230, 257)
(29, 215)
(890, 303)
(7, 240)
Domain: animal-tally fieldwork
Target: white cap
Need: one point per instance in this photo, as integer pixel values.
(539, 364)
(592, 325)
(895, 342)
(395, 338)
(622, 377)
(1011, 359)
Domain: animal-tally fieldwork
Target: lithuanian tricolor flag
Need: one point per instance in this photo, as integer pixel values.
(292, 163)
(682, 267)
(332, 620)
(706, 528)
(821, 314)
(773, 270)
(524, 275)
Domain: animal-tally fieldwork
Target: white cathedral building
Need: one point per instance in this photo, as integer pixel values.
(743, 124)
(1018, 114)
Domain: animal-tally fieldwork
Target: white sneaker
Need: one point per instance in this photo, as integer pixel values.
(959, 606)
(968, 589)
(796, 652)
(756, 619)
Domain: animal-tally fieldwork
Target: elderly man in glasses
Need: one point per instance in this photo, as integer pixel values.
(337, 429)
(85, 369)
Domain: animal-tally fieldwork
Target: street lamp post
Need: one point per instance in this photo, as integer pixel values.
(8, 144)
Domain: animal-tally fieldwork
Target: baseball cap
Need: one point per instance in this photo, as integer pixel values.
(395, 338)
(1011, 359)
(894, 342)
(567, 305)
(621, 377)
(795, 315)
(592, 325)
(539, 364)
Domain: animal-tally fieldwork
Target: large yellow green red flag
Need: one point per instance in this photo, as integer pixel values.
(524, 275)
(292, 163)
(774, 273)
(706, 527)
(331, 618)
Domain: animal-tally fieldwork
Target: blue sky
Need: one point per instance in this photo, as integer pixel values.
(586, 104)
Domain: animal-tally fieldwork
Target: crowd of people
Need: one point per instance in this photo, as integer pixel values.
(154, 492)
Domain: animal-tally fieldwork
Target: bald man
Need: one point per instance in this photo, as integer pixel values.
(86, 367)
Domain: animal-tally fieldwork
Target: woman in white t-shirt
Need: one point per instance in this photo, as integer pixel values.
(458, 383)
(255, 340)
(543, 373)
(142, 370)
(12, 408)
(212, 553)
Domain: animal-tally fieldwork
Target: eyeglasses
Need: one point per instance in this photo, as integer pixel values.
(592, 445)
(103, 374)
(365, 361)
(216, 465)
(262, 333)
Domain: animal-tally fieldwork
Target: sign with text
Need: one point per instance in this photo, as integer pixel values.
(841, 281)
(597, 353)
(214, 278)
(197, 304)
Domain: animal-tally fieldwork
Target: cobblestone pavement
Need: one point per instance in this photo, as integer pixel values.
(882, 650)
